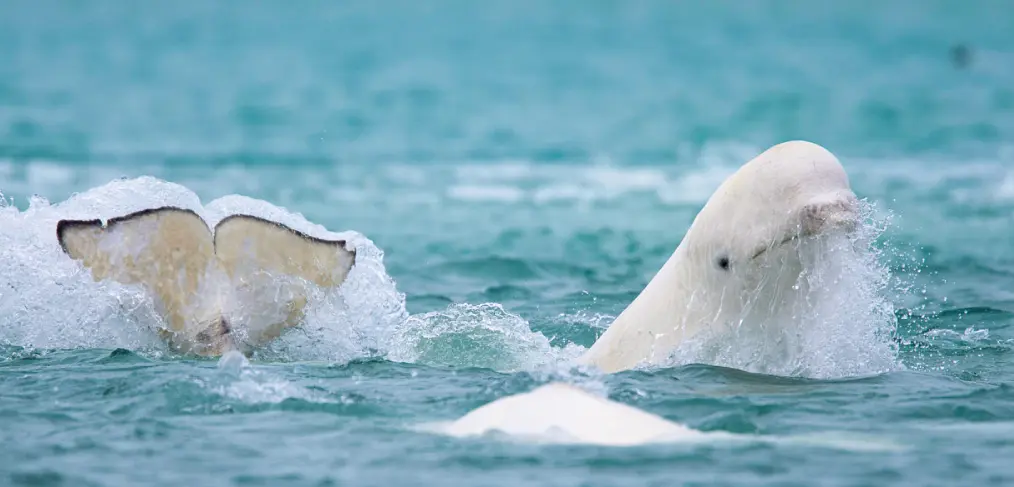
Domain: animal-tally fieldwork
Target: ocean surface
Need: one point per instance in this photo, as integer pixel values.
(512, 173)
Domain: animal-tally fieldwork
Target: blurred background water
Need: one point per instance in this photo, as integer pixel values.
(524, 168)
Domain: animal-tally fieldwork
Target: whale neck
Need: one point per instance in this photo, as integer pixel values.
(659, 319)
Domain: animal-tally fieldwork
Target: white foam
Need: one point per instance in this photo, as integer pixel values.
(473, 192)
(512, 170)
(49, 301)
(1005, 190)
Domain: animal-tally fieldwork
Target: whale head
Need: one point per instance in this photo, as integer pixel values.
(762, 213)
(742, 257)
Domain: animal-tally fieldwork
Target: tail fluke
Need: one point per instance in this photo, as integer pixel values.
(168, 250)
(216, 291)
(260, 257)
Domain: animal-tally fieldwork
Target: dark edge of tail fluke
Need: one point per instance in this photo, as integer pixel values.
(289, 229)
(64, 225)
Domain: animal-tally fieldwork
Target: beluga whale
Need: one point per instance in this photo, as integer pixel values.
(739, 261)
(737, 266)
(233, 287)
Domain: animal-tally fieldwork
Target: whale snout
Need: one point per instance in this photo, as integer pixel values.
(835, 212)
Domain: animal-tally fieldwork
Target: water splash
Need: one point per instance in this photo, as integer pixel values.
(837, 322)
(354, 321)
(841, 326)
(484, 335)
(50, 301)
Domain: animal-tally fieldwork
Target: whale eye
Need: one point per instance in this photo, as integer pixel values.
(723, 262)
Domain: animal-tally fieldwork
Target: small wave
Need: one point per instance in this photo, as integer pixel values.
(237, 379)
(500, 268)
(975, 312)
(495, 193)
(1005, 191)
(496, 268)
(484, 335)
(965, 330)
(970, 335)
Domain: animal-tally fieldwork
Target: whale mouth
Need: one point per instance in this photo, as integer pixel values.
(764, 249)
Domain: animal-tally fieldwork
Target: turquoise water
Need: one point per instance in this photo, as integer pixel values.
(513, 173)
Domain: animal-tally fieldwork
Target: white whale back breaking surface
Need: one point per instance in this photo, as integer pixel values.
(563, 413)
(741, 260)
(558, 413)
